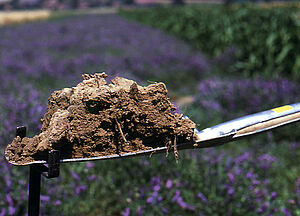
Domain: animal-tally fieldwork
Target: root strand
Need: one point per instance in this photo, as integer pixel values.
(176, 154)
(121, 132)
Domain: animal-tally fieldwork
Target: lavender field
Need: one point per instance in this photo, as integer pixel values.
(258, 176)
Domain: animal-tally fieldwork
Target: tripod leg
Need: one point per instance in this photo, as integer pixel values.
(34, 191)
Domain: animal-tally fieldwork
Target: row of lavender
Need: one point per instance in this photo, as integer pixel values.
(205, 182)
(37, 58)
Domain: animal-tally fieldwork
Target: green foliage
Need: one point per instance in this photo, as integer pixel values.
(267, 41)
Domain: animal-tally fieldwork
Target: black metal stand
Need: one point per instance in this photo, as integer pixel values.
(34, 190)
(50, 170)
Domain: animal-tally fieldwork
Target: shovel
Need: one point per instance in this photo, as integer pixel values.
(209, 137)
(213, 136)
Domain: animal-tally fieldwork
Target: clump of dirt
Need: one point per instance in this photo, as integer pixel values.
(97, 118)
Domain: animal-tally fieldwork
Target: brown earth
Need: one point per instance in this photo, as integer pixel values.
(97, 118)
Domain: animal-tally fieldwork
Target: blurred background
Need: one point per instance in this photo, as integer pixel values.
(219, 59)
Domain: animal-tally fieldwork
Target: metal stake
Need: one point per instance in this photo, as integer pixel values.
(34, 190)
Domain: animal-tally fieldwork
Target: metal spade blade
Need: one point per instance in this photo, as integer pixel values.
(216, 135)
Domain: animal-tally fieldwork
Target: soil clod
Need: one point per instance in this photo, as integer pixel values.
(97, 118)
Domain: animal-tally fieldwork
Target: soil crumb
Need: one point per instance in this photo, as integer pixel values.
(97, 118)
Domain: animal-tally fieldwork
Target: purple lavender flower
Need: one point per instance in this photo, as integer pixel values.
(139, 211)
(169, 183)
(266, 161)
(164, 210)
(57, 202)
(79, 189)
(294, 145)
(150, 199)
(126, 212)
(184, 205)
(3, 211)
(255, 182)
(90, 165)
(176, 196)
(260, 210)
(11, 210)
(44, 198)
(92, 177)
(231, 177)
(242, 158)
(202, 197)
(178, 199)
(250, 175)
(155, 181)
(156, 188)
(75, 176)
(9, 199)
(230, 191)
(273, 195)
(286, 212)
(7, 181)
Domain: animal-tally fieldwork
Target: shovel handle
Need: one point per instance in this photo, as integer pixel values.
(250, 124)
